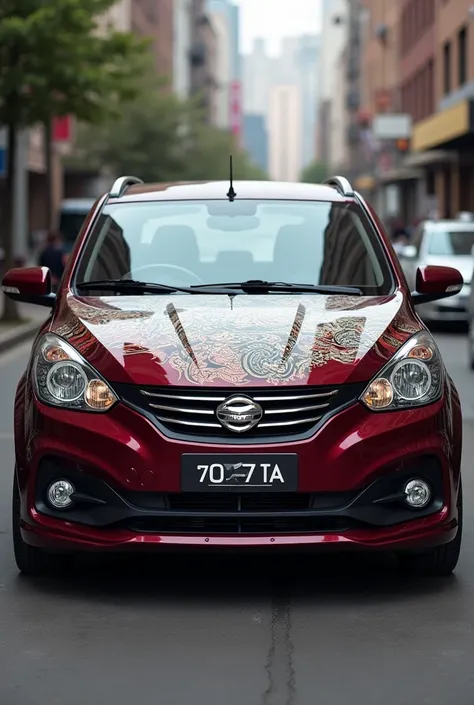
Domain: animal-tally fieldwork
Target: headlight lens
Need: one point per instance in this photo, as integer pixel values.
(63, 378)
(414, 377)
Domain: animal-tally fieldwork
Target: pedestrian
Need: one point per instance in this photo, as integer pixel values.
(54, 256)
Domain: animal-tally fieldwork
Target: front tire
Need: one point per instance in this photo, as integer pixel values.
(440, 561)
(30, 560)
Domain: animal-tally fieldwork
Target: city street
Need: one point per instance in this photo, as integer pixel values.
(165, 631)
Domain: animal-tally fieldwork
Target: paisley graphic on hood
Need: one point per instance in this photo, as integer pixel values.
(261, 340)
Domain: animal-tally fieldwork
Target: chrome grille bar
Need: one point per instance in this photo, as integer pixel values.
(297, 409)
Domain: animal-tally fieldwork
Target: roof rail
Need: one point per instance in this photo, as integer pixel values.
(121, 184)
(341, 184)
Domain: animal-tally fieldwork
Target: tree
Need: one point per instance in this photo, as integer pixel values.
(161, 138)
(56, 61)
(207, 157)
(314, 173)
(144, 140)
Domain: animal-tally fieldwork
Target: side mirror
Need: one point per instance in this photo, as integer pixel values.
(31, 285)
(408, 252)
(434, 283)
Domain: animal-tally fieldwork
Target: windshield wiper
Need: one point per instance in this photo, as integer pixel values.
(138, 287)
(253, 285)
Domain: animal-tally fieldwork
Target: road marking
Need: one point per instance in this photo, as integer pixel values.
(15, 353)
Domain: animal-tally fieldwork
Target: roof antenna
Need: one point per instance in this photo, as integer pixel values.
(231, 193)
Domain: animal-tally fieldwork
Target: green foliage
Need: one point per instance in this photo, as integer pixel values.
(160, 138)
(55, 61)
(314, 173)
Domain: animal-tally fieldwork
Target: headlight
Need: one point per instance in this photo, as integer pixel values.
(63, 378)
(413, 377)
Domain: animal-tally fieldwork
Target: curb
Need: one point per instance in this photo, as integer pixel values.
(18, 335)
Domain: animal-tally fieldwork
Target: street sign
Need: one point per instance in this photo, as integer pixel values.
(392, 126)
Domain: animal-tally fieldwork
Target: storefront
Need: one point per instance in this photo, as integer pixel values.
(449, 137)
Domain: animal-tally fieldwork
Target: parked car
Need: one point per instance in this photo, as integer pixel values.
(237, 369)
(470, 314)
(445, 243)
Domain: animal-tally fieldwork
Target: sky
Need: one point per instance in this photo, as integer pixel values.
(274, 19)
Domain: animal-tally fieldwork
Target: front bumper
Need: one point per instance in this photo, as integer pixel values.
(128, 475)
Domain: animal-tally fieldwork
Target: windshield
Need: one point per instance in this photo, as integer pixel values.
(451, 244)
(193, 242)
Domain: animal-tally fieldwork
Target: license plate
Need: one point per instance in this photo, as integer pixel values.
(241, 473)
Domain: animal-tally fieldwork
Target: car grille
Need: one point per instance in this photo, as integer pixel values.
(191, 411)
(242, 502)
(254, 526)
(260, 513)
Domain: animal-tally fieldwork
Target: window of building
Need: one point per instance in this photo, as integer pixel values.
(462, 56)
(447, 68)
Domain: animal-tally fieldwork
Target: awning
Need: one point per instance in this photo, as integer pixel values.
(443, 127)
(433, 158)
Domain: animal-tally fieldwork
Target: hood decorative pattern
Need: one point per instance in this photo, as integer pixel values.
(263, 340)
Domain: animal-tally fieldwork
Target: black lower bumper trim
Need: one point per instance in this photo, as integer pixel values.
(380, 504)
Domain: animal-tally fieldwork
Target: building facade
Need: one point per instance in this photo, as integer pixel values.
(225, 18)
(203, 60)
(183, 39)
(255, 139)
(284, 129)
(333, 41)
(119, 16)
(156, 20)
(445, 138)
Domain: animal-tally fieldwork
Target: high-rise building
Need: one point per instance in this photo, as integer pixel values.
(284, 127)
(156, 20)
(232, 14)
(225, 17)
(183, 39)
(333, 41)
(203, 59)
(255, 139)
(260, 74)
(307, 60)
(296, 65)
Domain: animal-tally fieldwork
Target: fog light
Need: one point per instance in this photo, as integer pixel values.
(59, 494)
(417, 493)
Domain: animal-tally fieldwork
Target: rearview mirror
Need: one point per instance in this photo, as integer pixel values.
(31, 285)
(434, 283)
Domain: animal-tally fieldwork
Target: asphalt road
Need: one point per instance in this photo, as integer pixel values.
(333, 631)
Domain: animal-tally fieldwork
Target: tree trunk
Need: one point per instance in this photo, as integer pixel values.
(48, 154)
(10, 312)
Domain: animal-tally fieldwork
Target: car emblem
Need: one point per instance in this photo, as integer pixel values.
(239, 414)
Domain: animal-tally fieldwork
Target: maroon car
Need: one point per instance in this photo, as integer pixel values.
(235, 369)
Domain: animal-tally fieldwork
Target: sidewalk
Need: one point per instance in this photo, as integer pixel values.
(12, 335)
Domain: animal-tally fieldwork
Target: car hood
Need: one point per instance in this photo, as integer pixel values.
(246, 340)
(463, 263)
